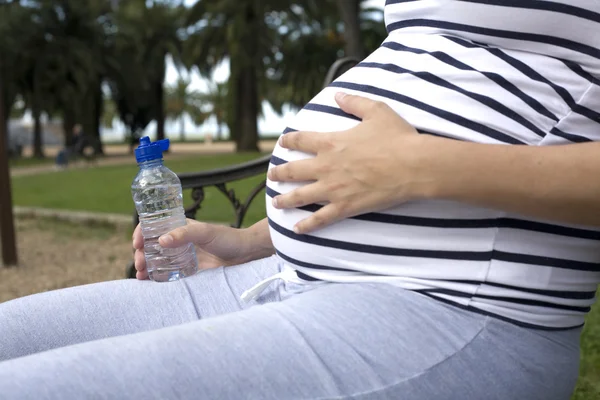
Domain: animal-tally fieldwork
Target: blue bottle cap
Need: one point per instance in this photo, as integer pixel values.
(148, 151)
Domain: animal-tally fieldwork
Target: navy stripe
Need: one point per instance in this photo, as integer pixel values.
(570, 136)
(500, 317)
(390, 2)
(305, 277)
(563, 294)
(309, 265)
(455, 118)
(516, 300)
(521, 36)
(545, 261)
(576, 68)
(329, 110)
(288, 130)
(507, 223)
(496, 78)
(544, 6)
(440, 254)
(591, 114)
(277, 161)
(380, 250)
(485, 100)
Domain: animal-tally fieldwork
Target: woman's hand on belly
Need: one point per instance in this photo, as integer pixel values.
(370, 167)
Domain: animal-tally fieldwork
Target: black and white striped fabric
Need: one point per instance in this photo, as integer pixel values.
(523, 72)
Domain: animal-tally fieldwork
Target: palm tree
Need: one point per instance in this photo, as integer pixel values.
(216, 103)
(277, 52)
(236, 30)
(182, 102)
(147, 31)
(350, 12)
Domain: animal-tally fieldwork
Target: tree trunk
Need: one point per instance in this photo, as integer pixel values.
(160, 111)
(36, 110)
(350, 10)
(38, 151)
(247, 101)
(97, 109)
(219, 129)
(182, 133)
(68, 126)
(233, 103)
(7, 225)
(247, 139)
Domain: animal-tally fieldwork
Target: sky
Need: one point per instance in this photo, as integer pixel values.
(271, 123)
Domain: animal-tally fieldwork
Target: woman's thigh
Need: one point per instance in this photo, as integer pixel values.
(364, 341)
(63, 317)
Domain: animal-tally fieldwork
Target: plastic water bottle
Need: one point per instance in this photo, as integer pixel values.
(158, 200)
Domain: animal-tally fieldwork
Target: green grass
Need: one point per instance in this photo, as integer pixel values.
(107, 189)
(588, 386)
(30, 162)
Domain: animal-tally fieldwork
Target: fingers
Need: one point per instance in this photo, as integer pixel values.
(325, 216)
(308, 142)
(139, 260)
(359, 106)
(198, 233)
(294, 171)
(309, 194)
(141, 275)
(138, 239)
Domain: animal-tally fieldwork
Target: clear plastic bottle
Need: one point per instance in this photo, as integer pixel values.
(158, 200)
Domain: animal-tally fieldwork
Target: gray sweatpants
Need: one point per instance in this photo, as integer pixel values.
(194, 339)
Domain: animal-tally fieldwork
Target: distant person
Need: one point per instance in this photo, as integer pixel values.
(74, 147)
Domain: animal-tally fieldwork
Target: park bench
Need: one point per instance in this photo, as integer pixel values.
(222, 177)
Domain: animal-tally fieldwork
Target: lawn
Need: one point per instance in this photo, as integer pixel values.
(107, 189)
(588, 386)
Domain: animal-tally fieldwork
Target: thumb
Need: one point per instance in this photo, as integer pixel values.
(359, 106)
(198, 233)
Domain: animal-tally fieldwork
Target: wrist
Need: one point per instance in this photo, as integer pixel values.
(425, 166)
(256, 242)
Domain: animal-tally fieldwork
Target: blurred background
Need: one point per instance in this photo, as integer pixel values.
(82, 81)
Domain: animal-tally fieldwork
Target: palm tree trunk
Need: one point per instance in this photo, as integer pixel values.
(219, 129)
(160, 111)
(98, 100)
(247, 139)
(350, 10)
(68, 126)
(182, 133)
(7, 225)
(38, 151)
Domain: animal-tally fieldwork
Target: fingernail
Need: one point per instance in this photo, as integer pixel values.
(274, 202)
(339, 96)
(296, 229)
(166, 240)
(270, 174)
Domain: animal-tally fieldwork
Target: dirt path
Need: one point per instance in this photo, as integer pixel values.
(54, 254)
(119, 155)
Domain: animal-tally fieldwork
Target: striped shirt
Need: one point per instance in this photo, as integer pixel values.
(508, 72)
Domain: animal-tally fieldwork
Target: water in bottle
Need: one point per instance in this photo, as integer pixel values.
(158, 200)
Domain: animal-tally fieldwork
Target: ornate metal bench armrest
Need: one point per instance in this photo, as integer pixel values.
(220, 178)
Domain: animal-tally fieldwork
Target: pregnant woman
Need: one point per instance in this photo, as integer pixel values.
(433, 232)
